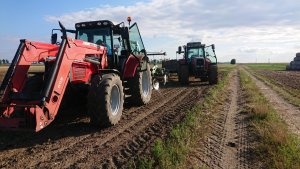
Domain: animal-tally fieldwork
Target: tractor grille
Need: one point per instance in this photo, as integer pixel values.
(200, 62)
(79, 72)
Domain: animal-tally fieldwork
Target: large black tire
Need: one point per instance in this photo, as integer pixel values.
(140, 87)
(183, 74)
(105, 100)
(213, 74)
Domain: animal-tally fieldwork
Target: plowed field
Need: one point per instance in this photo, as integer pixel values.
(70, 142)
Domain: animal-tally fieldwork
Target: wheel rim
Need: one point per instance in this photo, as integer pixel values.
(165, 79)
(155, 85)
(115, 100)
(145, 83)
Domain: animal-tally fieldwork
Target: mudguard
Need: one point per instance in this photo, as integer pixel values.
(134, 63)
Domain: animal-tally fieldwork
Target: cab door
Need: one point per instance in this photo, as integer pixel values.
(136, 42)
(210, 54)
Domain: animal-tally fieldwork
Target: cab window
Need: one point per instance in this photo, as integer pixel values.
(118, 44)
(99, 36)
(136, 43)
(195, 52)
(210, 54)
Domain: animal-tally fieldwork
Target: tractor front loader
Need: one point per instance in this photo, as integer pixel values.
(110, 59)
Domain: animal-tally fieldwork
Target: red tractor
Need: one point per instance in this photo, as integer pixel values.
(199, 61)
(110, 59)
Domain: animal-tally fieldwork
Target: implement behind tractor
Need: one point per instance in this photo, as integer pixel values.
(110, 59)
(199, 61)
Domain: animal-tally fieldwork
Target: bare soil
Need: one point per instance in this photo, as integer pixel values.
(289, 113)
(230, 141)
(70, 142)
(290, 79)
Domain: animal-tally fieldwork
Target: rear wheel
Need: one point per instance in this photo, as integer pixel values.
(213, 74)
(183, 74)
(140, 87)
(105, 100)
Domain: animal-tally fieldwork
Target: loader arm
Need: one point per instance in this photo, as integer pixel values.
(17, 111)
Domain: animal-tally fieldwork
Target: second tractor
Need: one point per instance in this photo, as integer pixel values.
(198, 61)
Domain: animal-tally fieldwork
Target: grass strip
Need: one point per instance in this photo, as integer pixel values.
(277, 148)
(173, 152)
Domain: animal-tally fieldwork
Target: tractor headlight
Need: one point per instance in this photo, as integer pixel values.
(99, 23)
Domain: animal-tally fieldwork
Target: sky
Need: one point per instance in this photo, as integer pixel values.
(249, 31)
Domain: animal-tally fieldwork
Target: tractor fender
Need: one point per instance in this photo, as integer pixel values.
(134, 63)
(207, 63)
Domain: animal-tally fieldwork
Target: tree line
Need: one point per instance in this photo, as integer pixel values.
(4, 61)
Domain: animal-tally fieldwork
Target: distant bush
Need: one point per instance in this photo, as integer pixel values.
(233, 61)
(4, 61)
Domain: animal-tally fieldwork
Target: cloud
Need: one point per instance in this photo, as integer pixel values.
(237, 27)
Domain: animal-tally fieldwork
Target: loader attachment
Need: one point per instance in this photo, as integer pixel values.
(21, 90)
(29, 100)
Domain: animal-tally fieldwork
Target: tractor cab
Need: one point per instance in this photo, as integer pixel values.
(120, 41)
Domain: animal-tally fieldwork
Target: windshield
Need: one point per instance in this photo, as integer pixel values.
(99, 36)
(195, 52)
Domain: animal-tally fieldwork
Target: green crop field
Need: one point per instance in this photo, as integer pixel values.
(269, 66)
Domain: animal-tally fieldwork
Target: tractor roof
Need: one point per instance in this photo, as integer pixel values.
(94, 24)
(195, 45)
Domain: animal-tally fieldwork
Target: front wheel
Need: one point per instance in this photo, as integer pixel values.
(105, 100)
(183, 74)
(213, 74)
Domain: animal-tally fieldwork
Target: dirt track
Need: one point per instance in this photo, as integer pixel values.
(289, 113)
(230, 139)
(72, 143)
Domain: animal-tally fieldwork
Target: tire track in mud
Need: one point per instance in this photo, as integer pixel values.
(229, 143)
(96, 148)
(102, 138)
(50, 154)
(37, 153)
(134, 144)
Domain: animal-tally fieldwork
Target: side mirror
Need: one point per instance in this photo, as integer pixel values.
(54, 38)
(179, 50)
(213, 46)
